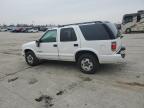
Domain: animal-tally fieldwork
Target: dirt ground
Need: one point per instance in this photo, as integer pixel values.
(62, 85)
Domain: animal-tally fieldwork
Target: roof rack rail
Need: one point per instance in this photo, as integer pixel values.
(79, 23)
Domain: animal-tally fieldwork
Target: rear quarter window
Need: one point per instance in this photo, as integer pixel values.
(113, 29)
(94, 32)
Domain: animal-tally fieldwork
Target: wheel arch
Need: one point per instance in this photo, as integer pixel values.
(78, 53)
(27, 50)
(128, 30)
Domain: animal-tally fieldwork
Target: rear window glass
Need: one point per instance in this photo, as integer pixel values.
(94, 32)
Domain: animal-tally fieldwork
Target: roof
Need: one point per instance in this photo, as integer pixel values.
(82, 23)
(132, 14)
(135, 14)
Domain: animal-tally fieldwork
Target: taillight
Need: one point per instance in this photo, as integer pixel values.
(113, 46)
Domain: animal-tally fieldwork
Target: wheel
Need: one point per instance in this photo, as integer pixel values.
(88, 63)
(31, 59)
(128, 30)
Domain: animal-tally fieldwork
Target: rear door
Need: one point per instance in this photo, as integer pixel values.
(68, 44)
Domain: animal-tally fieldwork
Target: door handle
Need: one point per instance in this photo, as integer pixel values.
(75, 45)
(55, 45)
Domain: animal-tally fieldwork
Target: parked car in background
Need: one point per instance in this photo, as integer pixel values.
(17, 30)
(24, 30)
(43, 29)
(9, 29)
(88, 44)
(3, 30)
(33, 30)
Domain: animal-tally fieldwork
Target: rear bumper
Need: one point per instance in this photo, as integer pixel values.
(119, 57)
(122, 51)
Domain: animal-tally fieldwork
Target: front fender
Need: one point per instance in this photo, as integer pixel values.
(27, 48)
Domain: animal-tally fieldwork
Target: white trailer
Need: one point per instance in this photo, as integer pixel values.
(133, 22)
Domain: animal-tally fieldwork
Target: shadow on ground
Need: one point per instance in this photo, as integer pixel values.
(104, 68)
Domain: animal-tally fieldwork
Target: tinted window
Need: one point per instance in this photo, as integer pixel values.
(49, 36)
(128, 19)
(94, 32)
(138, 18)
(142, 15)
(114, 29)
(67, 34)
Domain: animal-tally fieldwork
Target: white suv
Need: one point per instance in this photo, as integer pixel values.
(88, 44)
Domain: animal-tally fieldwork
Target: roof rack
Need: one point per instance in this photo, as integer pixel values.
(79, 23)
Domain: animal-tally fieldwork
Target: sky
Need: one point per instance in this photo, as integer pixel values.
(65, 11)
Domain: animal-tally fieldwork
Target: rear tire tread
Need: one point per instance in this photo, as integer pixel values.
(93, 59)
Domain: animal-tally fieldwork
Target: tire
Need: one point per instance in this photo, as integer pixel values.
(128, 30)
(31, 59)
(88, 63)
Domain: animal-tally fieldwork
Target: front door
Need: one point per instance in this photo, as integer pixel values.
(48, 46)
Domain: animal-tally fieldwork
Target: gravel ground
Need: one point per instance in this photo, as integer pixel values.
(62, 85)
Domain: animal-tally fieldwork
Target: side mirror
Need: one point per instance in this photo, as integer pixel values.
(37, 43)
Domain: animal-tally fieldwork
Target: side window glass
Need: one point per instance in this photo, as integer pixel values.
(94, 32)
(128, 19)
(50, 36)
(67, 34)
(138, 18)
